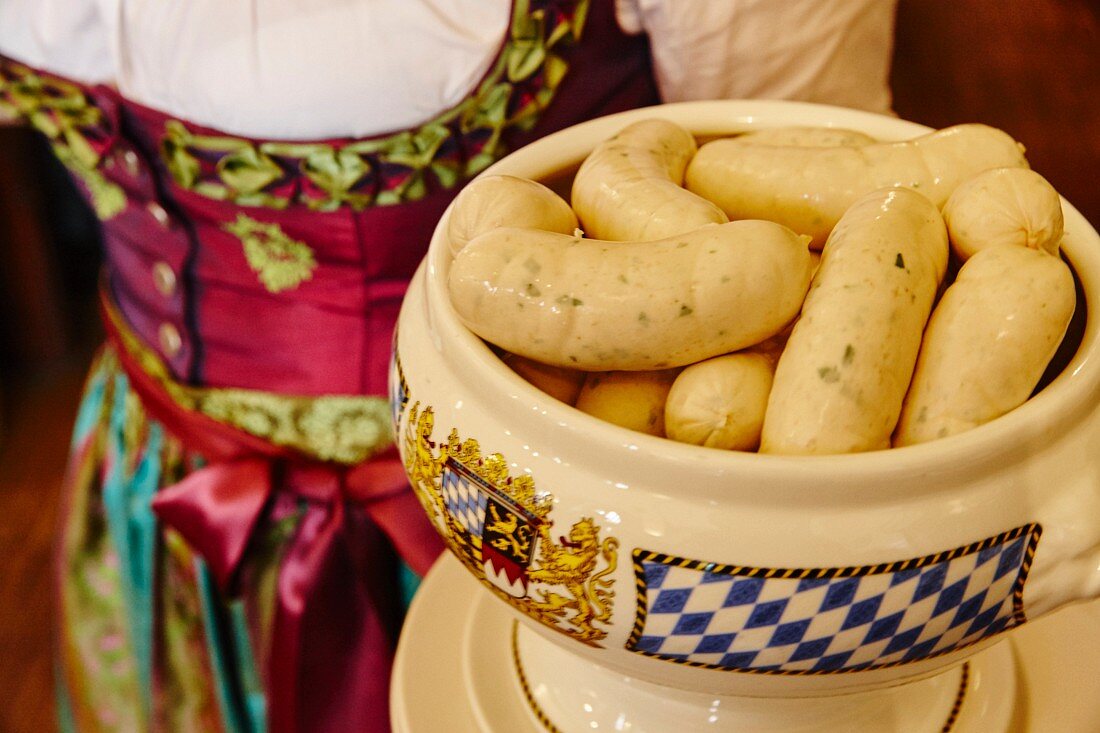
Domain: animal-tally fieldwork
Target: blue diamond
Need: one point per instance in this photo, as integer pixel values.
(930, 582)
(903, 640)
(810, 583)
(1010, 560)
(649, 643)
(743, 592)
(951, 597)
(671, 601)
(790, 633)
(714, 643)
(922, 650)
(766, 614)
(903, 575)
(988, 554)
(711, 577)
(692, 623)
(738, 660)
(811, 649)
(832, 662)
(862, 613)
(969, 609)
(884, 628)
(655, 574)
(983, 621)
(840, 594)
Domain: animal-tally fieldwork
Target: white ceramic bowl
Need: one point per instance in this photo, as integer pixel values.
(743, 574)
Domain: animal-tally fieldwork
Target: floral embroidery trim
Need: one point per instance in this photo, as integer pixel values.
(108, 199)
(282, 263)
(456, 145)
(76, 128)
(346, 429)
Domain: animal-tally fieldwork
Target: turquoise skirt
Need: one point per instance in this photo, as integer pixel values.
(147, 641)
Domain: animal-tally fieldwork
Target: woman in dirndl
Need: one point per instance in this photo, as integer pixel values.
(239, 541)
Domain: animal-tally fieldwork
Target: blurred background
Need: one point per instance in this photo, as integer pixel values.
(1030, 67)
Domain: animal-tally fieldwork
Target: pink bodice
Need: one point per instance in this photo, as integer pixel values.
(281, 266)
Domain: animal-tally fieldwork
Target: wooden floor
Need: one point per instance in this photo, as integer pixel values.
(39, 410)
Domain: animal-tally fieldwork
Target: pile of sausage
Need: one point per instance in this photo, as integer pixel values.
(682, 294)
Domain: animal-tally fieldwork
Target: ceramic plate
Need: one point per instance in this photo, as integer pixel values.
(454, 670)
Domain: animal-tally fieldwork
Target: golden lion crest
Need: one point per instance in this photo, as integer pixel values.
(499, 526)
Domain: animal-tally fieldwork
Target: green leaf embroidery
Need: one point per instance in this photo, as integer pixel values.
(280, 262)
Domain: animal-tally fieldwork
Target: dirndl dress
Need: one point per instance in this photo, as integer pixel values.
(239, 538)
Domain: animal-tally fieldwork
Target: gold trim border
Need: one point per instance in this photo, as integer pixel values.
(640, 556)
(529, 696)
(960, 697)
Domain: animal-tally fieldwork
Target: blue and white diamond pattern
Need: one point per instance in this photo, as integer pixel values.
(819, 621)
(463, 499)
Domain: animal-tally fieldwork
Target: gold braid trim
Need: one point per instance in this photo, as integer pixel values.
(346, 429)
(61, 111)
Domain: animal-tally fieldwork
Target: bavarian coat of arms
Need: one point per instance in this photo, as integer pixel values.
(500, 527)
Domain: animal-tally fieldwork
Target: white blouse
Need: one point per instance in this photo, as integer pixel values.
(297, 70)
(828, 51)
(291, 69)
(71, 38)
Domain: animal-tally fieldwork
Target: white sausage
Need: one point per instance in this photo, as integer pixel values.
(1004, 206)
(601, 306)
(562, 384)
(720, 402)
(988, 341)
(632, 400)
(506, 201)
(809, 189)
(805, 137)
(629, 187)
(841, 379)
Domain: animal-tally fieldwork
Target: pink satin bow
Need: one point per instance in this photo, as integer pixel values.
(328, 666)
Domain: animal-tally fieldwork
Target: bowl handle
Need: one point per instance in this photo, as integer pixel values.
(1073, 580)
(1067, 560)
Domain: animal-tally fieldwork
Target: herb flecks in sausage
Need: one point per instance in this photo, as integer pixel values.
(629, 187)
(666, 313)
(858, 334)
(494, 201)
(810, 188)
(988, 341)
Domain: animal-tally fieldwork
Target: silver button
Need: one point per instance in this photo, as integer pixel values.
(130, 160)
(170, 341)
(164, 278)
(158, 213)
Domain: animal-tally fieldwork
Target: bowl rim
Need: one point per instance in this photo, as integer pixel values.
(1067, 399)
